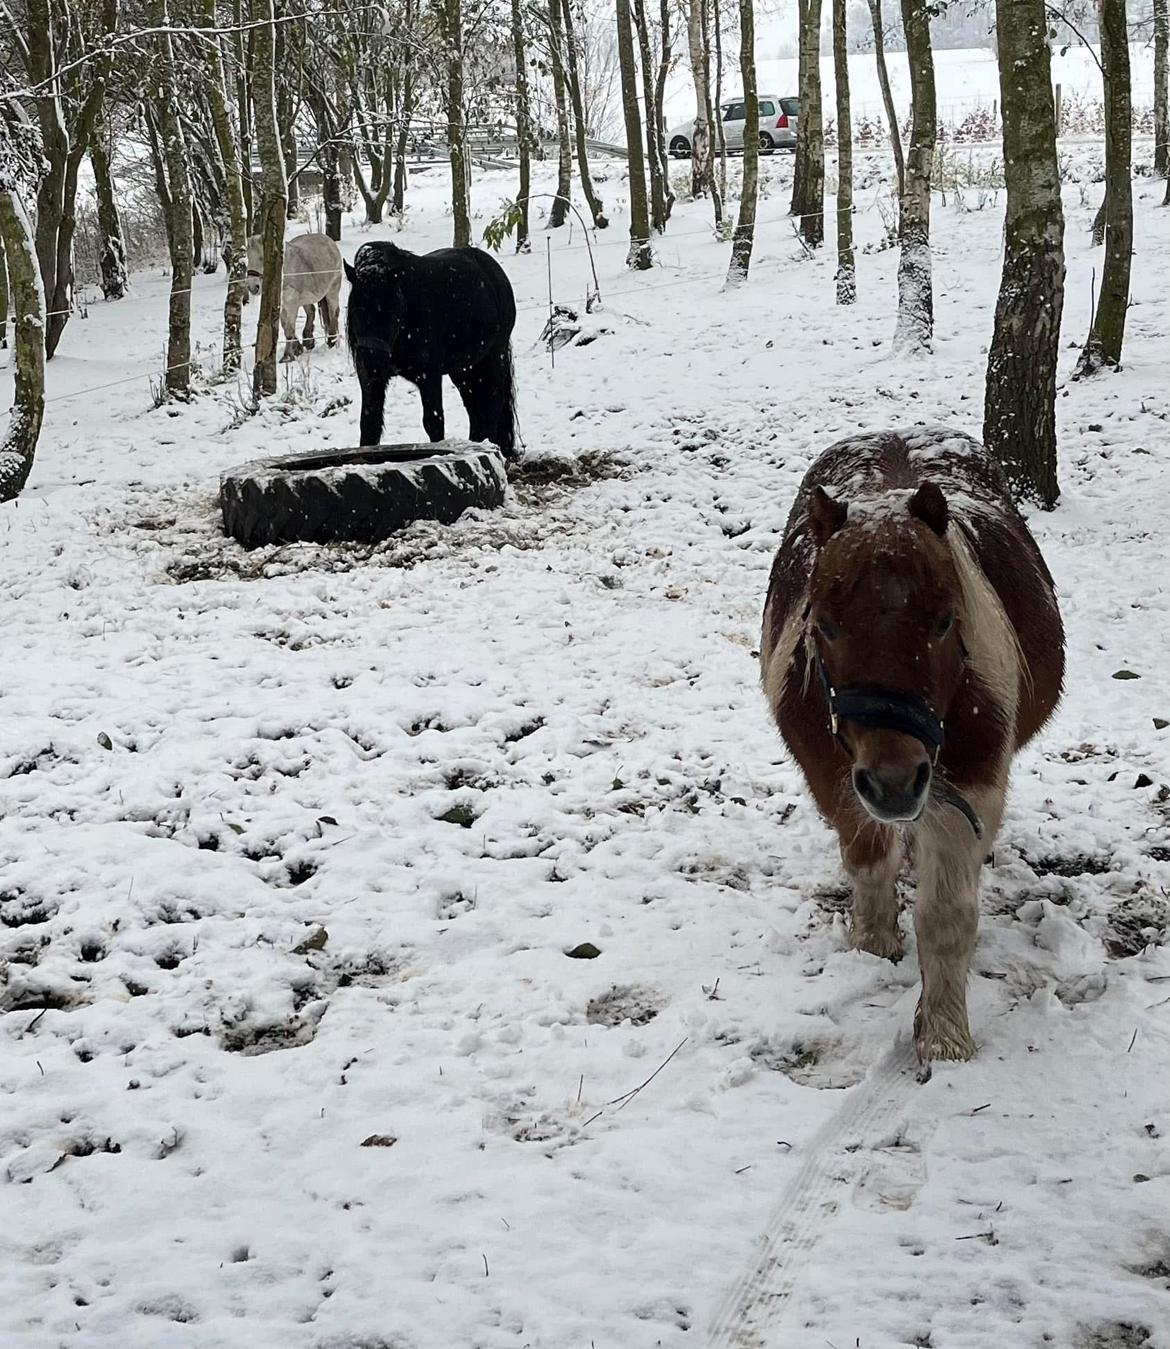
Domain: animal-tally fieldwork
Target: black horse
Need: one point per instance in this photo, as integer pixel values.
(423, 316)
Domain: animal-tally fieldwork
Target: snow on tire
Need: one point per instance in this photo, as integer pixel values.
(359, 495)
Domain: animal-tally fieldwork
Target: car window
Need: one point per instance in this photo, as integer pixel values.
(736, 112)
(791, 106)
(767, 108)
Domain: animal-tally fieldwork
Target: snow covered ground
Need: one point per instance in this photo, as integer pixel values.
(295, 844)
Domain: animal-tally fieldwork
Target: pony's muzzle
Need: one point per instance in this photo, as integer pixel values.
(894, 793)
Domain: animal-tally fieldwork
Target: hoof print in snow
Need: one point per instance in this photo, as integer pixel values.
(19, 909)
(1136, 923)
(585, 951)
(251, 1040)
(379, 1141)
(1115, 1335)
(811, 1063)
(624, 1002)
(1079, 864)
(357, 495)
(460, 814)
(171, 1308)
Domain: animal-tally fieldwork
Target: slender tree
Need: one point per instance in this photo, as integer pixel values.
(556, 31)
(1019, 418)
(233, 170)
(113, 257)
(665, 63)
(720, 131)
(273, 200)
(451, 29)
(846, 266)
(915, 326)
(808, 180)
(701, 175)
(656, 165)
(1107, 334)
(523, 126)
(573, 79)
(1162, 87)
(745, 225)
(883, 74)
(640, 255)
(21, 162)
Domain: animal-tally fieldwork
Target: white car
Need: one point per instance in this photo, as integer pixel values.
(778, 117)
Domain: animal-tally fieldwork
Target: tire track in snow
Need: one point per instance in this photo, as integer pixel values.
(795, 1226)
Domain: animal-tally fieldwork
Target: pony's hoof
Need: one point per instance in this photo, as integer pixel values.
(936, 1040)
(291, 352)
(887, 945)
(308, 343)
(332, 340)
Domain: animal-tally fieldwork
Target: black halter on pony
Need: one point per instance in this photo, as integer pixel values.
(906, 713)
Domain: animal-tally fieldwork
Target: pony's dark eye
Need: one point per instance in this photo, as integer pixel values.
(944, 624)
(827, 629)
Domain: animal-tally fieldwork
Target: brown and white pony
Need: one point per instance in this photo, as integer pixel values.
(911, 644)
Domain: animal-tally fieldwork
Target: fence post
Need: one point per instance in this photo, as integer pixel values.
(1059, 108)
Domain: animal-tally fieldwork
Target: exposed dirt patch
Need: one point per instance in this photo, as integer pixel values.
(1135, 923)
(624, 1002)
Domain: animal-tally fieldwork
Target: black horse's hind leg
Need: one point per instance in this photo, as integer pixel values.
(373, 381)
(430, 390)
(476, 399)
(494, 383)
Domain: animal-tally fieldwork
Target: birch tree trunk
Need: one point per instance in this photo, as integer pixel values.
(883, 74)
(745, 225)
(523, 126)
(596, 209)
(640, 256)
(1019, 415)
(701, 175)
(846, 264)
(1162, 87)
(19, 445)
(653, 120)
(808, 180)
(273, 199)
(1107, 334)
(915, 326)
(233, 175)
(720, 132)
(178, 212)
(241, 52)
(560, 207)
(113, 258)
(665, 58)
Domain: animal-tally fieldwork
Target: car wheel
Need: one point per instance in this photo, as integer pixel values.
(361, 495)
(680, 147)
(767, 144)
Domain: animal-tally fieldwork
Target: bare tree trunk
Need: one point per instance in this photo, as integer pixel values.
(523, 126)
(451, 12)
(701, 136)
(641, 256)
(274, 197)
(560, 207)
(242, 55)
(915, 326)
(113, 259)
(178, 211)
(1108, 331)
(808, 175)
(745, 225)
(883, 74)
(28, 303)
(653, 121)
(1162, 87)
(665, 56)
(1019, 416)
(720, 132)
(596, 209)
(3, 298)
(846, 265)
(233, 177)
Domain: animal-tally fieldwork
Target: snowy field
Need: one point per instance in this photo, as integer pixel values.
(295, 843)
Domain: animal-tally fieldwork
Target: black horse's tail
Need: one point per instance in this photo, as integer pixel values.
(509, 429)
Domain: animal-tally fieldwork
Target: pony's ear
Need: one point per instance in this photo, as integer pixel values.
(350, 274)
(930, 506)
(826, 515)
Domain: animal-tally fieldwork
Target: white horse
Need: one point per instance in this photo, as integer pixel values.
(312, 276)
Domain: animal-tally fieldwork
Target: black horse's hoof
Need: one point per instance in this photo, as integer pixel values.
(363, 495)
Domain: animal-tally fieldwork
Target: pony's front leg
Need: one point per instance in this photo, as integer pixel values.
(308, 341)
(288, 321)
(373, 387)
(948, 858)
(430, 389)
(872, 858)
